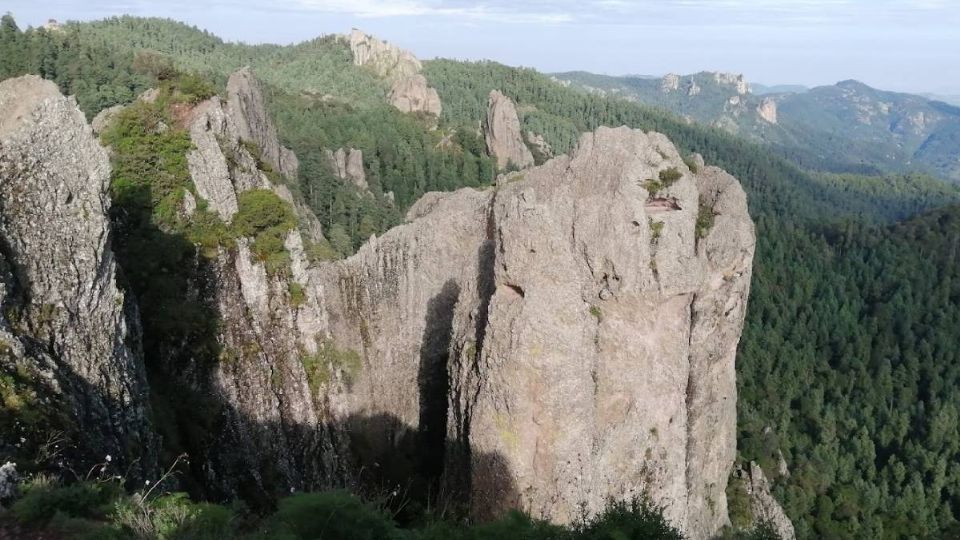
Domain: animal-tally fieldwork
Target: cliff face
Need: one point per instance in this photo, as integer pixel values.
(409, 91)
(565, 337)
(579, 329)
(69, 343)
(503, 135)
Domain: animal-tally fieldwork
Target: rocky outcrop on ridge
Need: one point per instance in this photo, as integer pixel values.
(69, 338)
(767, 109)
(413, 94)
(347, 164)
(503, 135)
(565, 338)
(409, 91)
(246, 108)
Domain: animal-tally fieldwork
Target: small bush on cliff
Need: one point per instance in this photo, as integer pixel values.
(266, 218)
(705, 218)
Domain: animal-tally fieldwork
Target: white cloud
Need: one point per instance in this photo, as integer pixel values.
(414, 8)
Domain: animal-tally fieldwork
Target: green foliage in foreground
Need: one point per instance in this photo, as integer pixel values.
(101, 510)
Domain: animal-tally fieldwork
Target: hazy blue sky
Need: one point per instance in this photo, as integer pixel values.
(893, 44)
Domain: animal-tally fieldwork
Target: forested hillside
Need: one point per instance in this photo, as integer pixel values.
(848, 363)
(846, 127)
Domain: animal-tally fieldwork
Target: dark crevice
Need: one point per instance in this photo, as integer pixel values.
(433, 380)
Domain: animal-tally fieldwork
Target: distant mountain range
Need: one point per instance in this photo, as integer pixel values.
(846, 127)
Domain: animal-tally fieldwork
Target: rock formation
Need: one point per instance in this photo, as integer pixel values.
(412, 94)
(565, 337)
(537, 142)
(503, 135)
(577, 292)
(409, 91)
(767, 109)
(68, 336)
(762, 504)
(347, 164)
(386, 60)
(669, 83)
(245, 106)
(733, 79)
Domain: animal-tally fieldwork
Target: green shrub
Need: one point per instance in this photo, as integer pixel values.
(738, 503)
(320, 366)
(669, 176)
(637, 519)
(334, 515)
(191, 88)
(656, 229)
(266, 218)
(320, 251)
(174, 517)
(42, 500)
(298, 296)
(705, 218)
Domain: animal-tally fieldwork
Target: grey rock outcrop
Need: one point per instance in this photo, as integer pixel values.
(587, 332)
(272, 436)
(767, 109)
(104, 117)
(733, 79)
(66, 328)
(763, 506)
(347, 164)
(247, 110)
(386, 60)
(413, 94)
(669, 83)
(537, 141)
(409, 90)
(503, 135)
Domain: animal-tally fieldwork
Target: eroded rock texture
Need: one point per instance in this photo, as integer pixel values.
(409, 91)
(65, 339)
(564, 337)
(503, 135)
(583, 330)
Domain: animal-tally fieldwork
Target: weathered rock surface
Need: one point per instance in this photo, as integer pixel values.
(537, 141)
(409, 91)
(386, 60)
(246, 108)
(273, 436)
(565, 337)
(503, 135)
(767, 109)
(412, 94)
(763, 506)
(65, 327)
(347, 164)
(733, 79)
(572, 293)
